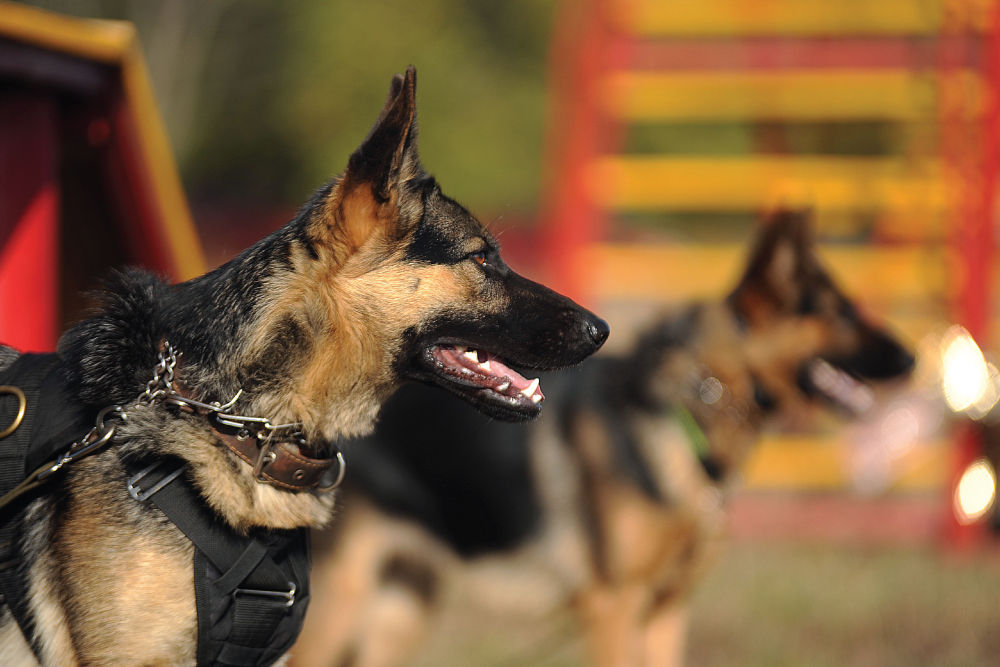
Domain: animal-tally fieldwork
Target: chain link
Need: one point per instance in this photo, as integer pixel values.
(159, 389)
(106, 425)
(162, 384)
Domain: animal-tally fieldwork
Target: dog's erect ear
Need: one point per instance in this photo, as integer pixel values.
(388, 155)
(370, 193)
(779, 268)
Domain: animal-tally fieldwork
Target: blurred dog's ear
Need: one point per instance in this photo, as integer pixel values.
(779, 266)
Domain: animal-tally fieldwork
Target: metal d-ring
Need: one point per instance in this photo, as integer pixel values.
(340, 473)
(22, 405)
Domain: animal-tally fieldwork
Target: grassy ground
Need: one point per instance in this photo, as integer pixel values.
(823, 605)
(784, 605)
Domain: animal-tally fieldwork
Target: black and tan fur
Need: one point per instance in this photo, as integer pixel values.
(318, 323)
(626, 512)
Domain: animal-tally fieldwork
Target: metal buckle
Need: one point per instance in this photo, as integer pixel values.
(288, 596)
(139, 494)
(22, 405)
(265, 453)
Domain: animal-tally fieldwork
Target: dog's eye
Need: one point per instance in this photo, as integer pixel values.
(479, 257)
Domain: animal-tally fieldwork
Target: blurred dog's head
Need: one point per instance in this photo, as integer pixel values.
(807, 334)
(785, 337)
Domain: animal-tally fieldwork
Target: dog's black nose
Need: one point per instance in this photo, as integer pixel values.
(905, 362)
(598, 330)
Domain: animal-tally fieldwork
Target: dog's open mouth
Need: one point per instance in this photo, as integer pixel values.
(487, 382)
(839, 387)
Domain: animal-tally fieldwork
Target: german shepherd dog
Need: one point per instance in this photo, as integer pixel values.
(380, 279)
(620, 492)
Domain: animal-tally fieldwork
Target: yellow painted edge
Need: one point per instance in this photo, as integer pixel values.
(186, 249)
(827, 183)
(893, 94)
(677, 271)
(100, 40)
(116, 42)
(789, 17)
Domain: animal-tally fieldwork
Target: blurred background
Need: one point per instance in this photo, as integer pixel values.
(622, 150)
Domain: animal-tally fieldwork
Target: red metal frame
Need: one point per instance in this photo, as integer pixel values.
(972, 149)
(584, 48)
(29, 222)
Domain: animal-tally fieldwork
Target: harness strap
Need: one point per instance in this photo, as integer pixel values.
(251, 590)
(41, 379)
(28, 373)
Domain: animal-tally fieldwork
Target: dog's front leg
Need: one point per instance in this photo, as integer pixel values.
(664, 634)
(611, 620)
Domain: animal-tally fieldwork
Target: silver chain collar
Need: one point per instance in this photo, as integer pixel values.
(159, 389)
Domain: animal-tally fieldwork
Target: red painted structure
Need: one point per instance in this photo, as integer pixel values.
(87, 181)
(29, 217)
(581, 55)
(970, 145)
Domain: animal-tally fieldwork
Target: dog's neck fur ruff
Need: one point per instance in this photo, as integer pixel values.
(692, 362)
(111, 357)
(290, 320)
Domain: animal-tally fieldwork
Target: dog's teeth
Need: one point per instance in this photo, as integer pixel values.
(504, 386)
(536, 398)
(529, 391)
(472, 355)
(460, 349)
(485, 366)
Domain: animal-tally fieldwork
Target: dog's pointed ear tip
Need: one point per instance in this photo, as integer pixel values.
(789, 215)
(407, 81)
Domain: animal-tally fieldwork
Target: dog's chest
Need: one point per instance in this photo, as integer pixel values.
(678, 473)
(127, 581)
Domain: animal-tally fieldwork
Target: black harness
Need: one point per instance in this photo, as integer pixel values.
(251, 590)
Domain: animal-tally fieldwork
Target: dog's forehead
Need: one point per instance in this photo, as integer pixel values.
(446, 230)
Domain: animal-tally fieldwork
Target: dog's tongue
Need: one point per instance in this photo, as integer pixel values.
(841, 387)
(493, 373)
(519, 382)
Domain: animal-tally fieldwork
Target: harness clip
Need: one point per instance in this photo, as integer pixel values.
(142, 495)
(288, 596)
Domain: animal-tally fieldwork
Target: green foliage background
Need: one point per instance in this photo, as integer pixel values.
(264, 100)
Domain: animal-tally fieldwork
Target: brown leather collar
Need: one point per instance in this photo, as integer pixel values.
(276, 463)
(274, 459)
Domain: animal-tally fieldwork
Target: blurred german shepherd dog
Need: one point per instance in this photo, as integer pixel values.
(381, 278)
(618, 498)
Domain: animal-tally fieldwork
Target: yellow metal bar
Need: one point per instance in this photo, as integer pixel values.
(686, 18)
(789, 462)
(804, 95)
(649, 183)
(187, 255)
(674, 272)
